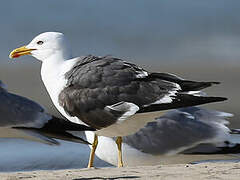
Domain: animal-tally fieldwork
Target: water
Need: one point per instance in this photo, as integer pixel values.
(22, 155)
(152, 31)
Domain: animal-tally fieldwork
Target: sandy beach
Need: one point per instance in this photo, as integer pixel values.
(180, 171)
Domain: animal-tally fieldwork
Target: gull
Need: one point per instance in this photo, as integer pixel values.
(111, 95)
(182, 135)
(21, 117)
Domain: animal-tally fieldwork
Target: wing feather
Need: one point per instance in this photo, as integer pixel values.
(95, 83)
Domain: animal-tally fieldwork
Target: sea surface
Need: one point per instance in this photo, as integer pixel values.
(22, 155)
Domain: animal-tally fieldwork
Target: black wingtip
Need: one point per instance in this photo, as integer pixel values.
(215, 82)
(182, 100)
(198, 100)
(227, 149)
(195, 86)
(66, 125)
(235, 131)
(218, 99)
(222, 98)
(186, 85)
(86, 142)
(77, 140)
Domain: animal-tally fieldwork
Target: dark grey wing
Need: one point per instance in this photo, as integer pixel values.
(97, 82)
(20, 111)
(181, 130)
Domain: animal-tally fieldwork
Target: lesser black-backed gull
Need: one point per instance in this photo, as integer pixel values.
(109, 94)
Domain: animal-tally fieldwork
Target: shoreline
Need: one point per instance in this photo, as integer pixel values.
(218, 170)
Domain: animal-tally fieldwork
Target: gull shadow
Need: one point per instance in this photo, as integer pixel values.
(105, 178)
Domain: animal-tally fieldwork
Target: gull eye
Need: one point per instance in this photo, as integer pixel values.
(40, 42)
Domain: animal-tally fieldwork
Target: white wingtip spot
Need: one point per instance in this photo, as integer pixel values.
(165, 99)
(196, 93)
(168, 98)
(142, 74)
(132, 109)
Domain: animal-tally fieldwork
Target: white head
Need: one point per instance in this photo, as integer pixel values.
(44, 46)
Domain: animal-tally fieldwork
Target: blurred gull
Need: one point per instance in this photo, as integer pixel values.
(24, 118)
(179, 136)
(2, 85)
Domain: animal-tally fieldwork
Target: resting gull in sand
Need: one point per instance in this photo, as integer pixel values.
(23, 118)
(115, 97)
(182, 135)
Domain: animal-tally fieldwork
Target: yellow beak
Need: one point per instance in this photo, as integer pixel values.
(20, 52)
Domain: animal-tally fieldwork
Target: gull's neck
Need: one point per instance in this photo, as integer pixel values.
(53, 74)
(57, 58)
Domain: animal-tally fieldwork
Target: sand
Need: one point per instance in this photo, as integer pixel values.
(201, 171)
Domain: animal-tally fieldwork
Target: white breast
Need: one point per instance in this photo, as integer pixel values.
(52, 74)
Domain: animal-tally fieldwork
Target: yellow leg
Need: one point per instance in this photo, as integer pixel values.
(92, 154)
(119, 145)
